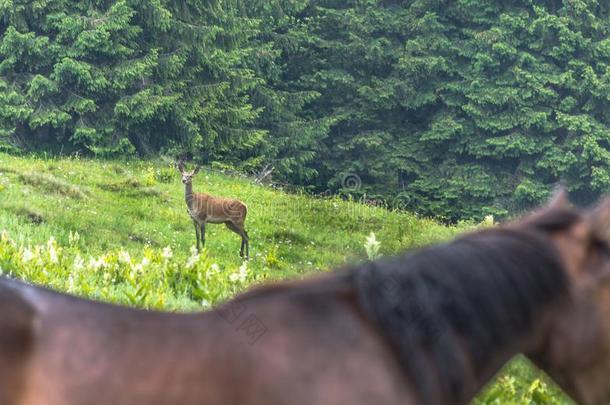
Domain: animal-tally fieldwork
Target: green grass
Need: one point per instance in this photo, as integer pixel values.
(130, 215)
(133, 204)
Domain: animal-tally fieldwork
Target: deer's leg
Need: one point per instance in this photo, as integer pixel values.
(202, 235)
(246, 241)
(240, 231)
(196, 233)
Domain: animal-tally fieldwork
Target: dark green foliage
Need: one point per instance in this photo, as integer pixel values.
(118, 76)
(295, 134)
(465, 108)
(455, 109)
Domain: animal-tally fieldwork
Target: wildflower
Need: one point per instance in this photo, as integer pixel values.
(167, 252)
(71, 283)
(372, 246)
(79, 263)
(73, 238)
(27, 255)
(488, 220)
(234, 277)
(52, 251)
(243, 272)
(124, 257)
(192, 261)
(96, 264)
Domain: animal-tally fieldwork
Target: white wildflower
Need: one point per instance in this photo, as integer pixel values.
(240, 275)
(215, 268)
(372, 246)
(192, 261)
(79, 263)
(124, 257)
(167, 252)
(73, 238)
(52, 251)
(243, 272)
(488, 220)
(96, 264)
(27, 255)
(71, 283)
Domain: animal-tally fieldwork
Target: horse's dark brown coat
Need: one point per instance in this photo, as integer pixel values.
(16, 341)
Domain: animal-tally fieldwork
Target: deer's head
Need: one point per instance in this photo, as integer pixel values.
(575, 348)
(187, 176)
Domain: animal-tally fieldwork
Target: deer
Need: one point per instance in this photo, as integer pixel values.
(207, 209)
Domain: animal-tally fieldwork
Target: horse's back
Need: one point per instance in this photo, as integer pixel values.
(16, 343)
(292, 346)
(318, 349)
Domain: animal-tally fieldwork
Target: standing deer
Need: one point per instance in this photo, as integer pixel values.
(204, 208)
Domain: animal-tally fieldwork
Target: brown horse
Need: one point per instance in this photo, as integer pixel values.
(430, 327)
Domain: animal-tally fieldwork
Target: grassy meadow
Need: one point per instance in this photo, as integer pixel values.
(118, 231)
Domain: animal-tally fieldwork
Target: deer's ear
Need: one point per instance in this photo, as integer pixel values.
(197, 168)
(180, 166)
(559, 199)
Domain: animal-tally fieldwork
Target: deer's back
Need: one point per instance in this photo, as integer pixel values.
(211, 209)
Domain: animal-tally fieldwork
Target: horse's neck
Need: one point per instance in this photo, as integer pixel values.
(485, 374)
(475, 378)
(457, 313)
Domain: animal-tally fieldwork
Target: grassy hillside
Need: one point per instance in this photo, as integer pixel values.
(119, 231)
(136, 204)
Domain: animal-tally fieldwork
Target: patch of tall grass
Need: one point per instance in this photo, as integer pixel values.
(154, 279)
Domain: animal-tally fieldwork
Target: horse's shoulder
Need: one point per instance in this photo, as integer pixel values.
(16, 318)
(17, 335)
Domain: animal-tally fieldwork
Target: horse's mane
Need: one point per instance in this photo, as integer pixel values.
(477, 294)
(448, 309)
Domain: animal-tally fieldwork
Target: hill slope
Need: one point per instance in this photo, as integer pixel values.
(134, 204)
